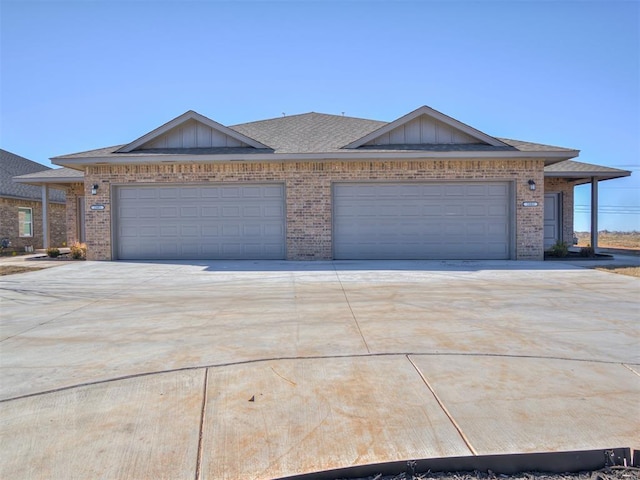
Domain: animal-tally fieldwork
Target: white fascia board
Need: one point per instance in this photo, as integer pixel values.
(31, 199)
(606, 175)
(48, 181)
(550, 157)
(190, 115)
(430, 112)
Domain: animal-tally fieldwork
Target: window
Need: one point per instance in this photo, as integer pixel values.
(25, 222)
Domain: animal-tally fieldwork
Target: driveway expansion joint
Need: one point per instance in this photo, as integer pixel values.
(455, 424)
(202, 423)
(351, 310)
(628, 367)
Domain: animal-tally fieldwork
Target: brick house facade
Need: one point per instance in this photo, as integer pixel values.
(423, 186)
(308, 200)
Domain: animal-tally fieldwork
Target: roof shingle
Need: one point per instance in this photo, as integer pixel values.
(12, 165)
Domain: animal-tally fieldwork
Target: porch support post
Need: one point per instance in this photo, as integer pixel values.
(594, 213)
(45, 216)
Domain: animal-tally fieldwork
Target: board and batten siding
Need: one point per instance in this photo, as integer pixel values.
(423, 130)
(193, 134)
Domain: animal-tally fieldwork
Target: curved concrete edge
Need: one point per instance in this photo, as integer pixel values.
(101, 380)
(282, 418)
(550, 462)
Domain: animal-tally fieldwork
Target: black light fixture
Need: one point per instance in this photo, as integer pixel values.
(94, 189)
(532, 185)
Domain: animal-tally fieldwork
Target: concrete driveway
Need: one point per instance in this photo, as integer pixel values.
(259, 370)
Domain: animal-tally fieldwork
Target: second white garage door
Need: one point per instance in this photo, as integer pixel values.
(422, 221)
(200, 222)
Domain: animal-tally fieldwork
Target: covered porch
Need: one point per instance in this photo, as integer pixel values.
(72, 182)
(560, 180)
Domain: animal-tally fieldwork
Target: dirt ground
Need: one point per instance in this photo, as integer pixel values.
(606, 239)
(629, 271)
(12, 269)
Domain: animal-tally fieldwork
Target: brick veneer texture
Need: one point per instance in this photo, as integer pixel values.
(308, 194)
(9, 223)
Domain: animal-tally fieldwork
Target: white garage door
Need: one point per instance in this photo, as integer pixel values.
(200, 222)
(422, 221)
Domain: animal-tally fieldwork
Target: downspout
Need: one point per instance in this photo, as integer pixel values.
(45, 216)
(594, 213)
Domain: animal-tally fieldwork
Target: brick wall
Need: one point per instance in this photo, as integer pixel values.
(9, 223)
(308, 194)
(566, 188)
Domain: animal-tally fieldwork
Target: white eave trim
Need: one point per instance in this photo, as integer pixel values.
(607, 175)
(190, 115)
(430, 112)
(138, 159)
(48, 181)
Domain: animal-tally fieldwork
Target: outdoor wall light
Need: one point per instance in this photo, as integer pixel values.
(94, 189)
(532, 185)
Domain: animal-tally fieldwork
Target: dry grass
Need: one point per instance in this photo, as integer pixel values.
(629, 271)
(13, 269)
(607, 239)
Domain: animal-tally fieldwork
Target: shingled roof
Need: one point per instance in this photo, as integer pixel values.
(583, 172)
(313, 135)
(12, 165)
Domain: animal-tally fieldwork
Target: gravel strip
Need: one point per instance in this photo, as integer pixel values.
(612, 473)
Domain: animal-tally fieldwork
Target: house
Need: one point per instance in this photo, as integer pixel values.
(319, 187)
(21, 206)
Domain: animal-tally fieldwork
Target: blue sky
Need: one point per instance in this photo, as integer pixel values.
(84, 74)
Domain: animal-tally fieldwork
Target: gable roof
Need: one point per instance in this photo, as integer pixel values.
(458, 132)
(12, 165)
(316, 136)
(213, 135)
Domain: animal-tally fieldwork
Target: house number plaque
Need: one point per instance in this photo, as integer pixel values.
(97, 207)
(529, 204)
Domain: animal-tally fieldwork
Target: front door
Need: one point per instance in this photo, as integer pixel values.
(552, 230)
(80, 221)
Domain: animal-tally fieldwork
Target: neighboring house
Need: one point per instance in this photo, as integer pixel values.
(21, 208)
(319, 187)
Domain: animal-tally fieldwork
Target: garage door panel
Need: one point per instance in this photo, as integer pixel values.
(149, 231)
(231, 212)
(210, 192)
(231, 192)
(498, 190)
(251, 192)
(146, 194)
(168, 230)
(476, 229)
(476, 210)
(200, 222)
(209, 212)
(497, 210)
(432, 210)
(466, 220)
(454, 190)
(476, 190)
(275, 212)
(167, 193)
(165, 212)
